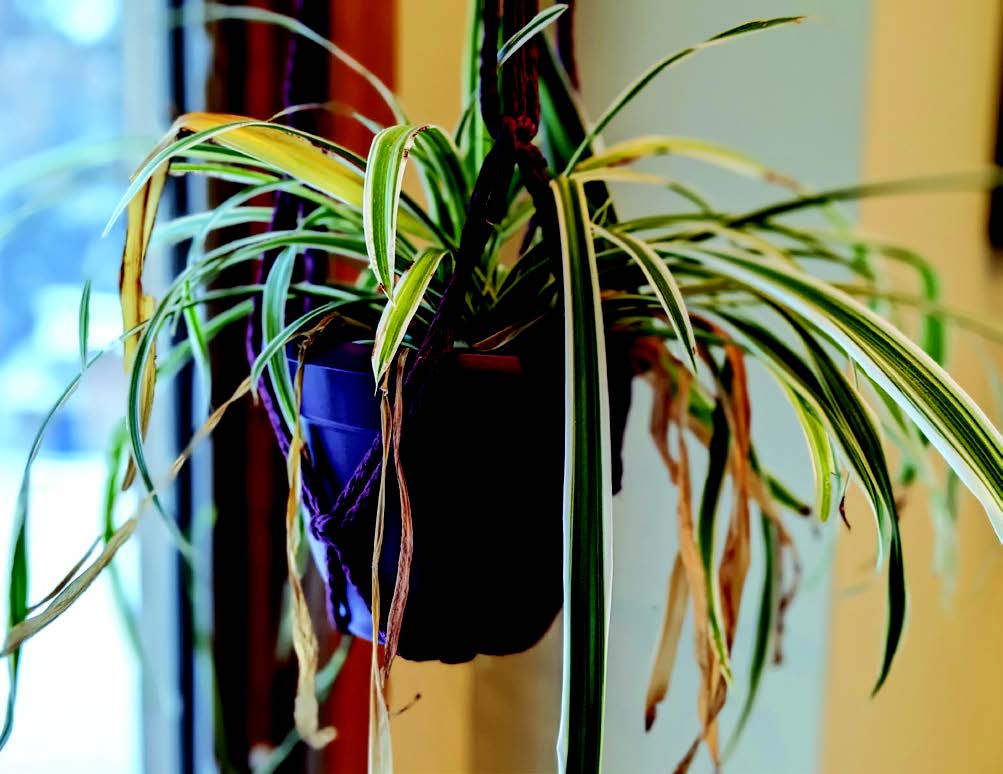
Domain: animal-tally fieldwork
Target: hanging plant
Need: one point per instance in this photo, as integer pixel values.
(453, 418)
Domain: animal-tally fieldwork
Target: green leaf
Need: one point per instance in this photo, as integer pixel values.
(652, 72)
(720, 446)
(833, 397)
(134, 406)
(764, 628)
(562, 118)
(384, 179)
(535, 25)
(117, 457)
(979, 180)
(397, 314)
(182, 353)
(840, 391)
(444, 177)
(662, 282)
(187, 226)
(195, 332)
(83, 323)
(273, 321)
(955, 425)
(823, 460)
(933, 332)
(587, 490)
(17, 587)
(838, 404)
(274, 345)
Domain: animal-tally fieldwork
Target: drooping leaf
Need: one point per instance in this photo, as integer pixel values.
(952, 421)
(384, 179)
(736, 554)
(588, 490)
(719, 450)
(380, 745)
(397, 314)
(839, 392)
(306, 710)
(690, 552)
(663, 284)
(845, 417)
(823, 459)
(83, 325)
(690, 147)
(398, 602)
(273, 321)
(26, 628)
(326, 678)
(764, 628)
(672, 629)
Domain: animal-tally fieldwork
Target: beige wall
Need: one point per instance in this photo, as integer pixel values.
(434, 735)
(931, 108)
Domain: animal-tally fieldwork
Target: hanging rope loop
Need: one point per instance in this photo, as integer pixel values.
(512, 118)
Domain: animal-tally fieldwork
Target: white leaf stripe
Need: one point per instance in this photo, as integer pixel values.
(380, 196)
(273, 306)
(535, 25)
(587, 490)
(662, 282)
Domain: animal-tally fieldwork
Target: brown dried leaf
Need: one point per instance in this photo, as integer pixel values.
(70, 575)
(401, 586)
(684, 765)
(306, 710)
(380, 750)
(137, 307)
(689, 553)
(672, 628)
(734, 567)
(32, 626)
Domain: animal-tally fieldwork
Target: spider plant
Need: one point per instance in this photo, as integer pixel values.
(696, 292)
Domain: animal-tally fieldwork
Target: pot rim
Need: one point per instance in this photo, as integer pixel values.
(468, 360)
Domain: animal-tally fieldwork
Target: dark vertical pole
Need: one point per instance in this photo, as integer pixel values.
(996, 198)
(184, 412)
(255, 687)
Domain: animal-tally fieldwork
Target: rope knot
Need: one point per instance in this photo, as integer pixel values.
(520, 130)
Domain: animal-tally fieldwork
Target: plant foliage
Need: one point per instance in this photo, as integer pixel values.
(697, 291)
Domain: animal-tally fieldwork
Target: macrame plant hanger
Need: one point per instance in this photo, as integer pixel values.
(512, 120)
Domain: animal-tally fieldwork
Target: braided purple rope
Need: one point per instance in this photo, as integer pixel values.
(513, 144)
(513, 127)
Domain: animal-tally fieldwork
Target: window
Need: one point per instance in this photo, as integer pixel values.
(70, 94)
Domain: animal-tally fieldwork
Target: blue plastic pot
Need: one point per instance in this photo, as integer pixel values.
(483, 461)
